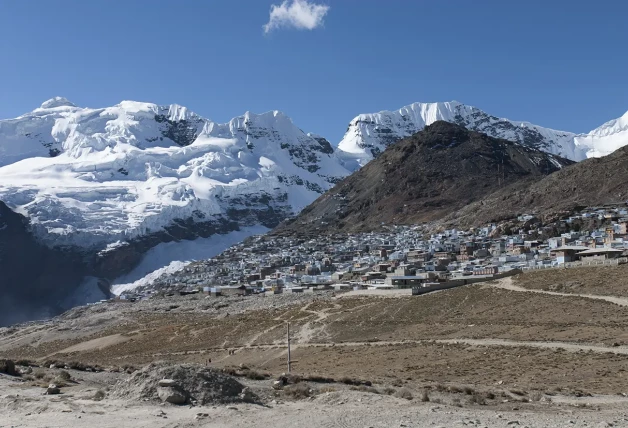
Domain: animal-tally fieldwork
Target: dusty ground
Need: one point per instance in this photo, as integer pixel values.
(336, 405)
(509, 339)
(608, 281)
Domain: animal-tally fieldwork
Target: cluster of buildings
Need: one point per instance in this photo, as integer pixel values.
(403, 256)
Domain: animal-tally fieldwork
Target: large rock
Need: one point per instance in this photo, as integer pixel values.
(171, 395)
(53, 389)
(168, 383)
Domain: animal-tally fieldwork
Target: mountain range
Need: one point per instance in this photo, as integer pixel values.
(369, 134)
(111, 190)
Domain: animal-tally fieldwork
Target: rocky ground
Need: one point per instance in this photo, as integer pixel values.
(107, 399)
(535, 356)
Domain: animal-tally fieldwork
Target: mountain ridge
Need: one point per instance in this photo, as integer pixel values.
(422, 178)
(369, 134)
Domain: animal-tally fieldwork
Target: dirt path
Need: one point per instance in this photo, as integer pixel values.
(282, 348)
(507, 284)
(573, 347)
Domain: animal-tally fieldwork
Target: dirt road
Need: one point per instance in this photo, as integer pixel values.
(507, 284)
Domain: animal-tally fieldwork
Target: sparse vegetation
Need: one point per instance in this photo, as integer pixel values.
(298, 391)
(388, 390)
(404, 393)
(364, 388)
(255, 375)
(425, 396)
(477, 398)
(536, 396)
(64, 375)
(99, 395)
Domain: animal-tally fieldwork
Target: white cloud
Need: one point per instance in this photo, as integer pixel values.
(299, 14)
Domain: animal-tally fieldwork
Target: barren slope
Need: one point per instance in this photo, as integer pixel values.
(424, 177)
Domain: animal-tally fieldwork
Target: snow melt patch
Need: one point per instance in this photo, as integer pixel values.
(173, 256)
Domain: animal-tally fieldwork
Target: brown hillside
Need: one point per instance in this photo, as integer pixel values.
(592, 182)
(425, 177)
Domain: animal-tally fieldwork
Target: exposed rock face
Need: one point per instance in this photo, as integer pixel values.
(425, 177)
(33, 277)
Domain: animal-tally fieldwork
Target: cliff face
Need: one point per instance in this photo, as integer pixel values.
(33, 278)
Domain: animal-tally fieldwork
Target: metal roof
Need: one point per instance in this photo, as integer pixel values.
(570, 248)
(600, 251)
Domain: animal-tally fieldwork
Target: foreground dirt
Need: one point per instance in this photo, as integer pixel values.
(507, 339)
(23, 405)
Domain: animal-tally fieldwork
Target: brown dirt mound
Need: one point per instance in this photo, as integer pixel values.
(199, 384)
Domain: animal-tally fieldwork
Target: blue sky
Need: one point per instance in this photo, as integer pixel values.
(560, 64)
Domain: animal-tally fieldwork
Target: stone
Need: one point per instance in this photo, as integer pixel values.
(25, 370)
(168, 383)
(52, 389)
(247, 396)
(171, 395)
(278, 384)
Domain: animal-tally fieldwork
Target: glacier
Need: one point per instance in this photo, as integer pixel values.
(92, 177)
(370, 134)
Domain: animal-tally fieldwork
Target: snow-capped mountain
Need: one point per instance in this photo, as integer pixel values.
(606, 139)
(369, 134)
(93, 177)
(100, 196)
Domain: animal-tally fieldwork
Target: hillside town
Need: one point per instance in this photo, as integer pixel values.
(403, 257)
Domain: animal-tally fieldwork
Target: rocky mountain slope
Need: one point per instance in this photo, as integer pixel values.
(592, 182)
(369, 134)
(112, 183)
(425, 177)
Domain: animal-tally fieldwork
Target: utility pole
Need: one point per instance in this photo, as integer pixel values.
(289, 362)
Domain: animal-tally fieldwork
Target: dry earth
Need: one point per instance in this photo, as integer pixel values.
(608, 281)
(540, 351)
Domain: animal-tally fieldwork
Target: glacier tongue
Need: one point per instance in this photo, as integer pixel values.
(91, 177)
(369, 134)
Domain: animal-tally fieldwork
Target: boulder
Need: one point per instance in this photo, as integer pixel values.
(52, 389)
(247, 396)
(168, 383)
(25, 370)
(171, 395)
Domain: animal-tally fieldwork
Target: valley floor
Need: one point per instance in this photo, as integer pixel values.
(538, 354)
